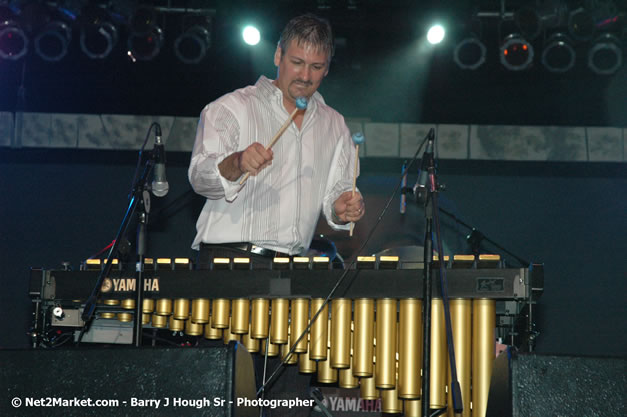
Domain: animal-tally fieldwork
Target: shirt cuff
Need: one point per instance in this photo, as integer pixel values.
(231, 188)
(334, 222)
(336, 226)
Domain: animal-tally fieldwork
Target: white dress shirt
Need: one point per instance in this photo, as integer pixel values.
(278, 209)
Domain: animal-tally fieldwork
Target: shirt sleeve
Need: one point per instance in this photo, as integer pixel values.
(340, 176)
(217, 137)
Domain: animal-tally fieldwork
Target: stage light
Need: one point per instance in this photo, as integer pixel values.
(436, 34)
(558, 54)
(529, 22)
(251, 35)
(98, 34)
(145, 38)
(516, 53)
(52, 43)
(145, 47)
(192, 45)
(605, 56)
(13, 41)
(581, 24)
(98, 40)
(470, 53)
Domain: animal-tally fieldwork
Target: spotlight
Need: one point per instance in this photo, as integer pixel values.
(13, 41)
(470, 53)
(192, 45)
(606, 56)
(581, 24)
(145, 47)
(529, 22)
(516, 53)
(145, 38)
(98, 34)
(558, 54)
(436, 34)
(251, 35)
(97, 41)
(52, 43)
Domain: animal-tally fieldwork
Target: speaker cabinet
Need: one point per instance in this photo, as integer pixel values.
(530, 385)
(134, 382)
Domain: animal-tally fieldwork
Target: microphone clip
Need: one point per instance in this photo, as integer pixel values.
(160, 186)
(158, 151)
(426, 182)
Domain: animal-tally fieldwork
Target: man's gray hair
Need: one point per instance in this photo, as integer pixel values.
(308, 29)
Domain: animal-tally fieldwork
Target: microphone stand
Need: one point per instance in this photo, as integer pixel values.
(140, 196)
(426, 313)
(144, 210)
(476, 237)
(319, 409)
(431, 216)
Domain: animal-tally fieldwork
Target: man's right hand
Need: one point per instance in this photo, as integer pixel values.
(255, 158)
(252, 159)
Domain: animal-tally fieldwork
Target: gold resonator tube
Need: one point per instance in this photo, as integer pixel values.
(483, 323)
(386, 344)
(375, 345)
(364, 337)
(341, 333)
(319, 330)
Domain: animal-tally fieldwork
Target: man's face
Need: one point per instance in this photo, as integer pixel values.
(301, 70)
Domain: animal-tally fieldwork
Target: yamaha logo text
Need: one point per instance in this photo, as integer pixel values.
(128, 284)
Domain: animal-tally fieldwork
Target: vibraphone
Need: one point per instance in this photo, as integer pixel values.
(368, 336)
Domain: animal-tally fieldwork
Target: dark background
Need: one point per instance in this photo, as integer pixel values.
(65, 205)
(382, 68)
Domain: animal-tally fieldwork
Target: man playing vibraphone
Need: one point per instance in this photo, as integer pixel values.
(264, 195)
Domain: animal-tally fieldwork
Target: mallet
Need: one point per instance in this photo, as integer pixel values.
(301, 104)
(358, 139)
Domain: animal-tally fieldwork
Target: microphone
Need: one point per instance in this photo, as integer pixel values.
(160, 186)
(420, 189)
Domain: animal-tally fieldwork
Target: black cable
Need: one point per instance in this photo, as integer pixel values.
(161, 339)
(455, 387)
(90, 304)
(60, 340)
(481, 236)
(139, 159)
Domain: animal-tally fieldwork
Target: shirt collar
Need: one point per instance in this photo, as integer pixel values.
(271, 92)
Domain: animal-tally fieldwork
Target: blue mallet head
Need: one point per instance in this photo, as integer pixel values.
(301, 103)
(358, 138)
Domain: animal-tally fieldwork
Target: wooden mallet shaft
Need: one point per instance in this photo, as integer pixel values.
(299, 106)
(358, 139)
(354, 182)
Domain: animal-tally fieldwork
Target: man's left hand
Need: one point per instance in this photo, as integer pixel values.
(349, 208)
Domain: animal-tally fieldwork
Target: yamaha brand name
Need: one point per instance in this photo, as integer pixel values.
(128, 284)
